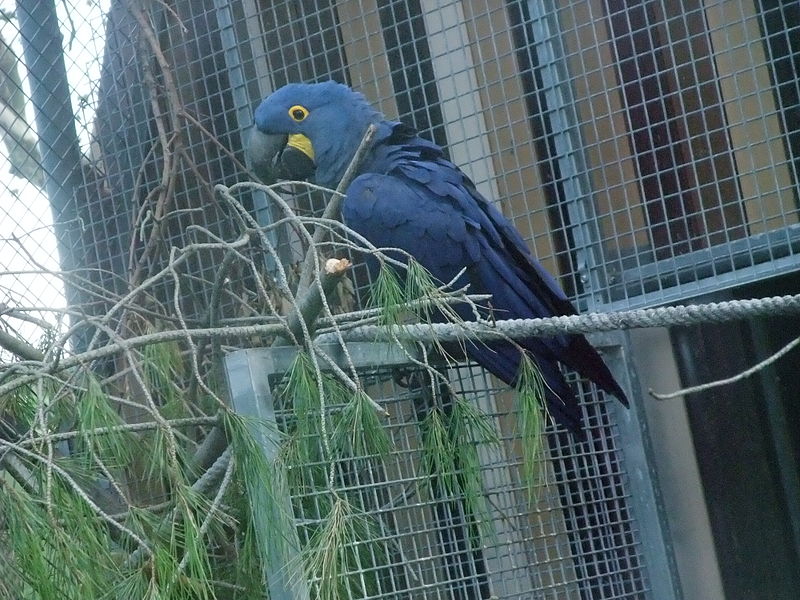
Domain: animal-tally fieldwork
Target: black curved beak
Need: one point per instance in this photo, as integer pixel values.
(271, 158)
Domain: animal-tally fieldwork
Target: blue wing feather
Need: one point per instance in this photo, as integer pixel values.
(408, 196)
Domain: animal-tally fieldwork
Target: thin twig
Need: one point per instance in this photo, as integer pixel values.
(728, 380)
(130, 427)
(334, 206)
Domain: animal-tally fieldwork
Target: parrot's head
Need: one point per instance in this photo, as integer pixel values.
(309, 131)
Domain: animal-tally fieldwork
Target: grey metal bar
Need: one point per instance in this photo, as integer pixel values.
(564, 125)
(248, 372)
(781, 430)
(645, 281)
(642, 480)
(264, 211)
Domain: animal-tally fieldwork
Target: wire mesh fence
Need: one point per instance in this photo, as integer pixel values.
(567, 533)
(647, 151)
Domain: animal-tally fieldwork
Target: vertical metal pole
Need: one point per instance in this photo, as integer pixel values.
(247, 372)
(634, 442)
(264, 211)
(55, 122)
(635, 445)
(560, 107)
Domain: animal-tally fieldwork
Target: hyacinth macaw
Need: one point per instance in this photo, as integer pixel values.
(407, 195)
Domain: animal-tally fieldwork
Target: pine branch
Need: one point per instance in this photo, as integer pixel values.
(20, 348)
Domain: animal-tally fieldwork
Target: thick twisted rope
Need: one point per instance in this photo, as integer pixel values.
(665, 316)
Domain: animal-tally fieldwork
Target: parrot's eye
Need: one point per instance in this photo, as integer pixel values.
(298, 113)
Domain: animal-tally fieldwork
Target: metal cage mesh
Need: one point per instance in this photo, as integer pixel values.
(648, 151)
(542, 548)
(572, 534)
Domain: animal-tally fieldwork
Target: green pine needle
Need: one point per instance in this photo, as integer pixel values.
(413, 292)
(300, 393)
(163, 371)
(450, 441)
(95, 411)
(265, 485)
(65, 550)
(359, 431)
(387, 294)
(533, 420)
(438, 454)
(49, 548)
(343, 543)
(420, 285)
(419, 282)
(20, 404)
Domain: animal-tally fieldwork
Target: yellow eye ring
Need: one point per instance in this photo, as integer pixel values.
(298, 113)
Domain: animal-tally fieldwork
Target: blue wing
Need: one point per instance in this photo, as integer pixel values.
(426, 206)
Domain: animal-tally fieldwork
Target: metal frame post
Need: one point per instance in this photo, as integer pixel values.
(642, 480)
(248, 373)
(560, 112)
(634, 441)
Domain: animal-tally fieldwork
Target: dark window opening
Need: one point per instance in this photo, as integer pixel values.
(677, 125)
(412, 68)
(303, 42)
(780, 22)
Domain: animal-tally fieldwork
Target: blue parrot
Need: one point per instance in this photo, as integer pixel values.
(407, 195)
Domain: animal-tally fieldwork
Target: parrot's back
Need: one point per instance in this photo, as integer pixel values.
(409, 196)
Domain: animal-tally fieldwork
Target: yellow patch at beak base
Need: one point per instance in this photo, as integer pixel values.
(302, 143)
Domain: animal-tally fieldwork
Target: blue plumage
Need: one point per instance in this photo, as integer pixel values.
(409, 196)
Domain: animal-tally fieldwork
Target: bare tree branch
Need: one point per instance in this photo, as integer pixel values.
(18, 135)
